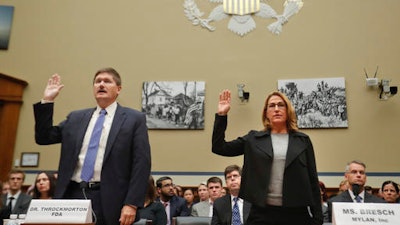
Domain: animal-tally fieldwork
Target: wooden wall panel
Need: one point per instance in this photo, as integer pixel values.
(11, 92)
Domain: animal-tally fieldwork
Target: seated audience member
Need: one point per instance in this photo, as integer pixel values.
(324, 203)
(174, 205)
(153, 210)
(223, 192)
(15, 202)
(178, 190)
(355, 175)
(202, 192)
(343, 186)
(205, 208)
(1, 195)
(390, 191)
(230, 209)
(6, 187)
(45, 184)
(368, 189)
(188, 195)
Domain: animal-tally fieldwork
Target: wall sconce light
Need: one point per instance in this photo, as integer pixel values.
(386, 90)
(244, 96)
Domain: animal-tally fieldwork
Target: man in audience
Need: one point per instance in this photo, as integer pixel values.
(356, 177)
(230, 209)
(202, 192)
(15, 202)
(174, 205)
(205, 208)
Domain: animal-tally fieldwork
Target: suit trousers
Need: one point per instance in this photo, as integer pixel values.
(277, 215)
(74, 191)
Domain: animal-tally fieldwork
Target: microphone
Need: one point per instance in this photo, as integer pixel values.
(83, 185)
(356, 189)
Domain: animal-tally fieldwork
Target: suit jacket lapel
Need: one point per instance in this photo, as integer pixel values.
(246, 210)
(347, 197)
(228, 202)
(81, 130)
(264, 142)
(119, 119)
(295, 147)
(206, 208)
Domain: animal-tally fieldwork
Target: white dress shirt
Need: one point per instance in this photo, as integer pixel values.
(240, 205)
(102, 144)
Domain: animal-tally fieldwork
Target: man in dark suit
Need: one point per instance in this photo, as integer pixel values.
(356, 177)
(117, 177)
(223, 207)
(15, 202)
(174, 205)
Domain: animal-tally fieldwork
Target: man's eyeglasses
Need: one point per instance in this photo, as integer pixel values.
(234, 176)
(168, 185)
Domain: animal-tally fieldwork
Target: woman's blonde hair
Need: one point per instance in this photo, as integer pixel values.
(291, 122)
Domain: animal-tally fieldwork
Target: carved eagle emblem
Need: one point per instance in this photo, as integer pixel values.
(240, 14)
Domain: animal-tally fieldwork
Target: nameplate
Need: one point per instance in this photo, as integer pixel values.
(59, 211)
(348, 213)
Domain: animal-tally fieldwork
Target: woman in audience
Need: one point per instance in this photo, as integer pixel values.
(324, 201)
(390, 191)
(1, 195)
(178, 190)
(5, 188)
(188, 195)
(153, 210)
(202, 191)
(45, 184)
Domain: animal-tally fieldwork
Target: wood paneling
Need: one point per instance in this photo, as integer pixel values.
(11, 92)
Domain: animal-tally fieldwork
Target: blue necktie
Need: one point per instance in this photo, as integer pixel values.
(236, 213)
(90, 158)
(358, 198)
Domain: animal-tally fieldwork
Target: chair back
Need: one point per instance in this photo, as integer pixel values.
(193, 220)
(141, 222)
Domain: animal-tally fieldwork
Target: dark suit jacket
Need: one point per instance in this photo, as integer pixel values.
(126, 166)
(177, 206)
(21, 206)
(300, 181)
(222, 211)
(346, 197)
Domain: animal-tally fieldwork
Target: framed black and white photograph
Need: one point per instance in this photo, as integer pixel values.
(319, 103)
(6, 16)
(30, 159)
(174, 104)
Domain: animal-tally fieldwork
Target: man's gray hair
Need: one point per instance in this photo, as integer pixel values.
(355, 162)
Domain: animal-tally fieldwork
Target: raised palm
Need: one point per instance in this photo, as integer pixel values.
(224, 104)
(53, 88)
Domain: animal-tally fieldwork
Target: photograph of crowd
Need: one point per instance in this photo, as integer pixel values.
(319, 103)
(174, 104)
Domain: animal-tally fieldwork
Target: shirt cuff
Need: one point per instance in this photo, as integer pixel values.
(46, 101)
